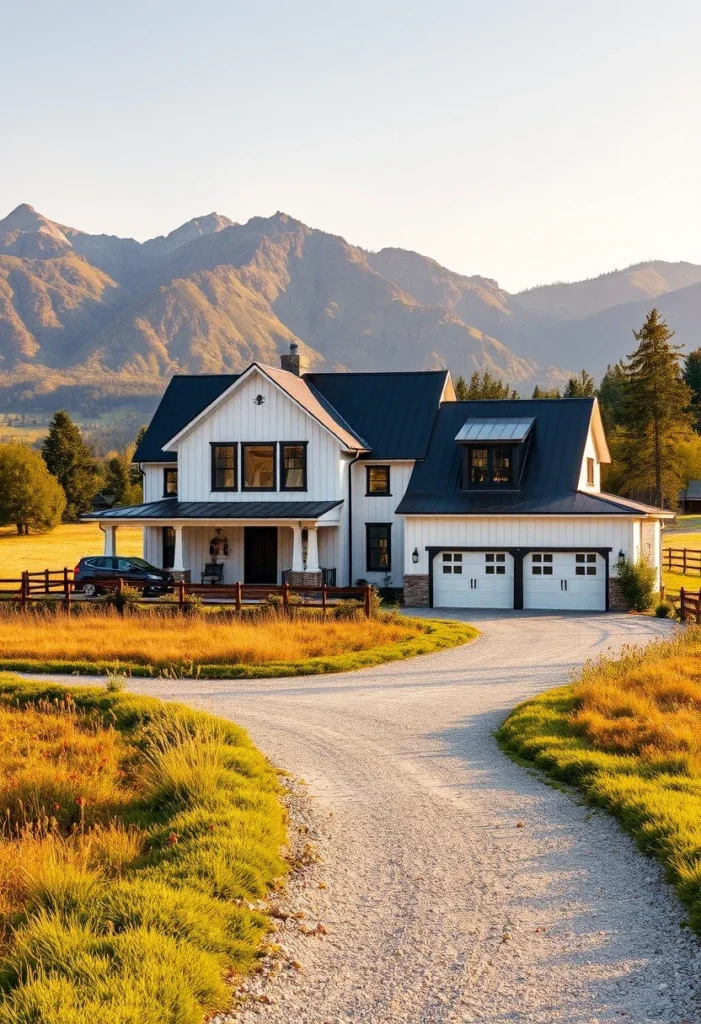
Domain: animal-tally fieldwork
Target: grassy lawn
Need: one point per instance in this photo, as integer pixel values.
(628, 734)
(214, 644)
(135, 838)
(63, 546)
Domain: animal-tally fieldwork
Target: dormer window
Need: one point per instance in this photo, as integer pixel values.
(494, 452)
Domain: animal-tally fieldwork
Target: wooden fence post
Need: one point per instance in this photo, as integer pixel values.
(24, 588)
(181, 594)
(367, 600)
(66, 590)
(120, 586)
(46, 581)
(662, 592)
(684, 560)
(324, 590)
(286, 596)
(238, 595)
(682, 608)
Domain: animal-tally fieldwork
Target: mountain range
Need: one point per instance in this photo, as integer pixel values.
(100, 318)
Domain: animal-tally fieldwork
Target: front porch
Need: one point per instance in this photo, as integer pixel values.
(257, 551)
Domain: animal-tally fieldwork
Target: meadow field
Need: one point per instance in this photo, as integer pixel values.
(137, 840)
(685, 533)
(213, 643)
(628, 734)
(62, 547)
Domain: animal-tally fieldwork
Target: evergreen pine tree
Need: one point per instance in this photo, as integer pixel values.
(70, 460)
(539, 392)
(483, 386)
(461, 389)
(654, 417)
(611, 394)
(692, 378)
(581, 386)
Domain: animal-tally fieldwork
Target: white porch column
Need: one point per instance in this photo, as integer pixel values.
(297, 559)
(110, 533)
(178, 554)
(312, 550)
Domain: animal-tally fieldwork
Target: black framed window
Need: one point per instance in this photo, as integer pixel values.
(377, 480)
(168, 547)
(224, 467)
(491, 466)
(590, 472)
(378, 547)
(258, 467)
(170, 483)
(293, 466)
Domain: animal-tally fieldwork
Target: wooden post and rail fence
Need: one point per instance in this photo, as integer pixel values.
(35, 587)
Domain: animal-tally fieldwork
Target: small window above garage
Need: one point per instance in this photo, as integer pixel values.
(494, 452)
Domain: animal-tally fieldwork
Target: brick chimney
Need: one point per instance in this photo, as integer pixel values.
(291, 361)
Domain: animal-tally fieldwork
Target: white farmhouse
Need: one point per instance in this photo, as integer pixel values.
(277, 474)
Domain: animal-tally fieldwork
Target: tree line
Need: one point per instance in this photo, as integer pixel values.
(39, 489)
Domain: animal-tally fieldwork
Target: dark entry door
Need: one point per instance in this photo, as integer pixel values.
(168, 560)
(260, 554)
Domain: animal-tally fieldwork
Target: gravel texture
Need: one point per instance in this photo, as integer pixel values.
(455, 885)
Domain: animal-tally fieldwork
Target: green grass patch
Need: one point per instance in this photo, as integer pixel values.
(131, 903)
(627, 734)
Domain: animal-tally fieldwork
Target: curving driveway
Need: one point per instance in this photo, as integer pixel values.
(438, 907)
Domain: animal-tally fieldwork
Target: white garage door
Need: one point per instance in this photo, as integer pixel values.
(473, 579)
(567, 580)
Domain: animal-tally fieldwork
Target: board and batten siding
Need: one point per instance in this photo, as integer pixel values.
(379, 509)
(239, 419)
(511, 531)
(590, 452)
(153, 479)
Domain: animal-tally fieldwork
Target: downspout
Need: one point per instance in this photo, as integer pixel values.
(350, 519)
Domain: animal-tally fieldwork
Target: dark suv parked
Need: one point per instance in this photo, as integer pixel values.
(89, 571)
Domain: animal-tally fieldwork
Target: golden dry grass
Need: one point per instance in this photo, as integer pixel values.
(62, 547)
(159, 641)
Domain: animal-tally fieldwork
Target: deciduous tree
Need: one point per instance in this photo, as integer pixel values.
(30, 497)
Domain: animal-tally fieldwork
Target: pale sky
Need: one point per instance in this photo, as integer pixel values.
(525, 141)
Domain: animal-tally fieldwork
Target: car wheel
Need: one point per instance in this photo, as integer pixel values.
(89, 590)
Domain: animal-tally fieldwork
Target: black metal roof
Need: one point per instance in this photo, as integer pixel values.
(184, 398)
(393, 412)
(551, 474)
(171, 508)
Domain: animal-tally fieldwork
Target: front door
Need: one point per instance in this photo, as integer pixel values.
(260, 554)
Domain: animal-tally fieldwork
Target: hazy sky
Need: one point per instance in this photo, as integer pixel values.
(526, 141)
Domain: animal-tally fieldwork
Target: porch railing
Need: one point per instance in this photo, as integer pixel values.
(59, 583)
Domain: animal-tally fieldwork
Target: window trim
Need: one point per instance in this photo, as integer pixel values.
(258, 444)
(166, 471)
(490, 483)
(212, 467)
(378, 494)
(384, 568)
(292, 444)
(591, 472)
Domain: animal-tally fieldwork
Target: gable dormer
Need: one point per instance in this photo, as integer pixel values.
(494, 452)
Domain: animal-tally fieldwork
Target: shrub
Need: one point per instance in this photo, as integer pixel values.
(124, 600)
(638, 581)
(346, 610)
(663, 610)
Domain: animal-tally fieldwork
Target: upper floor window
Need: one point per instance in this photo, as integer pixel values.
(223, 467)
(491, 465)
(377, 479)
(590, 472)
(170, 483)
(293, 466)
(258, 470)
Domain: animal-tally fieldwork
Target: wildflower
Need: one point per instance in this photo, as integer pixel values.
(172, 839)
(80, 800)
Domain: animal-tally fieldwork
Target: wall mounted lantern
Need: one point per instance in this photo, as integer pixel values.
(415, 556)
(621, 557)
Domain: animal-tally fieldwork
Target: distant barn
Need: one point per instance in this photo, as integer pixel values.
(690, 499)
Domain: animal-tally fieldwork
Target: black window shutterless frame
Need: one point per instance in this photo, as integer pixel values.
(245, 447)
(378, 542)
(224, 466)
(170, 483)
(375, 488)
(288, 461)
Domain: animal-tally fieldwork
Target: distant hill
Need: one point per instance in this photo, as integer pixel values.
(97, 319)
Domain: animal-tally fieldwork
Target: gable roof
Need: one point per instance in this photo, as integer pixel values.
(692, 490)
(394, 412)
(551, 474)
(184, 399)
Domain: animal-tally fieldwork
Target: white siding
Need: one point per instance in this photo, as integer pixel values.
(153, 479)
(277, 419)
(379, 509)
(651, 544)
(511, 531)
(590, 452)
(153, 547)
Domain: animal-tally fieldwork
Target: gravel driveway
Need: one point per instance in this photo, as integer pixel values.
(438, 906)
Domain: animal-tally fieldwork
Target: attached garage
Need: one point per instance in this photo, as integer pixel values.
(564, 580)
(473, 579)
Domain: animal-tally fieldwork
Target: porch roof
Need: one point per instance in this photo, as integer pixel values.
(171, 508)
